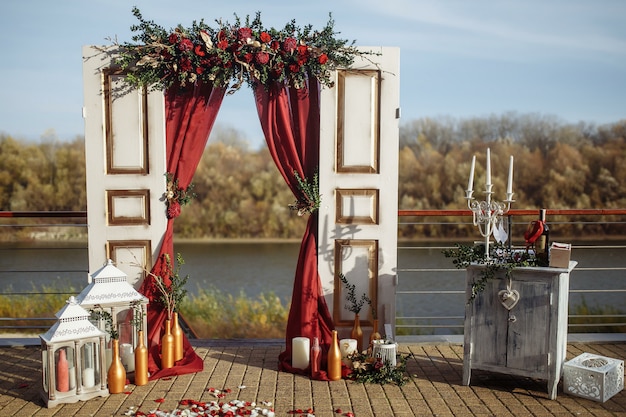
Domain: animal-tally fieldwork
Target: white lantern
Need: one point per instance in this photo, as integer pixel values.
(72, 354)
(110, 292)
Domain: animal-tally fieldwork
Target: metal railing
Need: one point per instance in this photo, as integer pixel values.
(434, 290)
(428, 282)
(25, 225)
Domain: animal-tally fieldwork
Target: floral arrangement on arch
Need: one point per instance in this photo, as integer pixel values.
(231, 54)
(176, 196)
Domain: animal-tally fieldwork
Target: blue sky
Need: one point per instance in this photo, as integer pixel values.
(459, 58)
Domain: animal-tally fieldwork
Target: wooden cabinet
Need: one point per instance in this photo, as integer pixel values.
(518, 326)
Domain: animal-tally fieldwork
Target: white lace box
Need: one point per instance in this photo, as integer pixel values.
(593, 376)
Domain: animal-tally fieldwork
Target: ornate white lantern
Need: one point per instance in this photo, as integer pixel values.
(72, 354)
(110, 292)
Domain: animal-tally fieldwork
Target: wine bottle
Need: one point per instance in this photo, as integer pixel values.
(542, 248)
(334, 359)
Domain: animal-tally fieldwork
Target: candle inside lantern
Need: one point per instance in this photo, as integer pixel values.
(300, 351)
(127, 356)
(488, 168)
(470, 184)
(509, 185)
(89, 377)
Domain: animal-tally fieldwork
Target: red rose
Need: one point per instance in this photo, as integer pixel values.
(173, 209)
(198, 50)
(262, 58)
(294, 68)
(223, 44)
(290, 44)
(248, 57)
(265, 37)
(244, 33)
(185, 64)
(274, 45)
(173, 39)
(323, 59)
(199, 70)
(185, 45)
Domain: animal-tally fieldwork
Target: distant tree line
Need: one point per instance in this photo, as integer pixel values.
(241, 194)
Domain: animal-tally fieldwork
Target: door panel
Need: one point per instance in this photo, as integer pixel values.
(358, 179)
(125, 154)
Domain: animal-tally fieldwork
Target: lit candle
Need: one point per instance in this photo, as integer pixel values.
(470, 184)
(300, 351)
(488, 179)
(509, 185)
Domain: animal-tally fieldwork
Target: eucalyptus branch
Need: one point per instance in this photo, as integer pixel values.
(355, 305)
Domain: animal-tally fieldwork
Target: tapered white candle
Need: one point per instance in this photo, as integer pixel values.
(470, 184)
(488, 178)
(509, 185)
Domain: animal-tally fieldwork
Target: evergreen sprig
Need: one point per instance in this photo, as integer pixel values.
(311, 199)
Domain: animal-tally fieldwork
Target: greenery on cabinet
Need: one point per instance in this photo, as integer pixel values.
(502, 259)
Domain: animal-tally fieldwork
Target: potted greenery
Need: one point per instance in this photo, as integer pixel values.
(355, 305)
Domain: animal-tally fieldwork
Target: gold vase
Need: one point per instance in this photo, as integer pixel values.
(177, 332)
(167, 347)
(116, 377)
(357, 333)
(375, 335)
(334, 359)
(141, 361)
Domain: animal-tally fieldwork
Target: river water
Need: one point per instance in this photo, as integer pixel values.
(250, 268)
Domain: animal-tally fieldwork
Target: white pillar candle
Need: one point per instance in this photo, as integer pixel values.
(488, 169)
(509, 185)
(470, 184)
(300, 352)
(89, 378)
(72, 374)
(347, 347)
(127, 356)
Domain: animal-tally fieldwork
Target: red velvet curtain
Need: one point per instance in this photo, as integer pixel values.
(290, 119)
(190, 113)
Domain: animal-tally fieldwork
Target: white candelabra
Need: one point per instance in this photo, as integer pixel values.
(486, 213)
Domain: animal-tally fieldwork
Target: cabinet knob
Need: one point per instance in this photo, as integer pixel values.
(512, 318)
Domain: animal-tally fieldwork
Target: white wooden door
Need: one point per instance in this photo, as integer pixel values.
(358, 178)
(125, 156)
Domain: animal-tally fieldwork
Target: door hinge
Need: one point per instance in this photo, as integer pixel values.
(398, 113)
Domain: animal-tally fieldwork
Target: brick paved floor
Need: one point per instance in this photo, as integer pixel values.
(250, 371)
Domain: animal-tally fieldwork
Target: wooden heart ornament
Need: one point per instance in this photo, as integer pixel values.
(509, 298)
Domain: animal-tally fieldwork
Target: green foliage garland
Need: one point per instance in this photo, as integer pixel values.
(501, 258)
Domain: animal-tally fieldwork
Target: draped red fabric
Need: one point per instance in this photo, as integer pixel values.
(190, 113)
(290, 119)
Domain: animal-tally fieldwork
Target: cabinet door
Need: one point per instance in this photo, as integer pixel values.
(528, 327)
(489, 327)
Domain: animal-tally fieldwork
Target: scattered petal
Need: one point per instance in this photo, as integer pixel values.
(159, 400)
(23, 385)
(242, 387)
